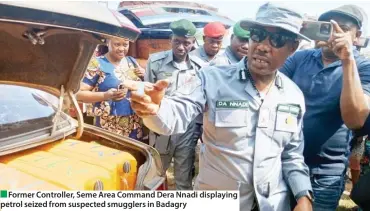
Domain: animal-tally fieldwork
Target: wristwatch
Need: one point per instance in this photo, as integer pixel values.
(306, 193)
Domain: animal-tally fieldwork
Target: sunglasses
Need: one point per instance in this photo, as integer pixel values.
(276, 39)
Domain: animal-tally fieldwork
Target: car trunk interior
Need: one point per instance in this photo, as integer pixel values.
(54, 63)
(137, 152)
(59, 61)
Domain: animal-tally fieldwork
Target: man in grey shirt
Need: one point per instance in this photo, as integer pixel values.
(214, 33)
(253, 140)
(180, 67)
(237, 50)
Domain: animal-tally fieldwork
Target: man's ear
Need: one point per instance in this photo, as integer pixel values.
(358, 33)
(170, 38)
(204, 38)
(357, 36)
(232, 37)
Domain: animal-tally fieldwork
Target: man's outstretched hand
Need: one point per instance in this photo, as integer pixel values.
(146, 102)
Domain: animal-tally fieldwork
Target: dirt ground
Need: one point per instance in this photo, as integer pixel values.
(345, 204)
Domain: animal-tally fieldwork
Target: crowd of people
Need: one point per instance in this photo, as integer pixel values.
(275, 122)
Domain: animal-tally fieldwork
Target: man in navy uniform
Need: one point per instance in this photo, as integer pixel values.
(252, 118)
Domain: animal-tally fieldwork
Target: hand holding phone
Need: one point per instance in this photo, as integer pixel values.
(115, 94)
(341, 43)
(317, 30)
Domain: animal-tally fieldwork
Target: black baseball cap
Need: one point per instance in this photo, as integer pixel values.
(350, 11)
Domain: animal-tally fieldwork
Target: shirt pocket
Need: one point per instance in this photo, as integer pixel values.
(286, 125)
(164, 75)
(231, 118)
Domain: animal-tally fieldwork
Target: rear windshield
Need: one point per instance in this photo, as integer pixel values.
(22, 107)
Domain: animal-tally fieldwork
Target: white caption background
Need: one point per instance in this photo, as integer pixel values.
(163, 200)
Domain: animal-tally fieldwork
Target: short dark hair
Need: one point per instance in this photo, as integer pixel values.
(102, 49)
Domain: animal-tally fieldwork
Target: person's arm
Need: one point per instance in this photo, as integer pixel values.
(295, 171)
(86, 95)
(353, 100)
(180, 109)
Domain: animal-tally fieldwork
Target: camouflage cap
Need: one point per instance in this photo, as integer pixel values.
(240, 32)
(183, 27)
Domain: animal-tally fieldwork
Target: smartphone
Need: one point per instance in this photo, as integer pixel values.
(362, 42)
(317, 30)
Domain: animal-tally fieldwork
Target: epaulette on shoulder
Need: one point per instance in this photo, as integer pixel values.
(158, 56)
(198, 61)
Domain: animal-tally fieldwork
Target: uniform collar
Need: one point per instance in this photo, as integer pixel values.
(241, 64)
(203, 53)
(231, 55)
(169, 58)
(242, 73)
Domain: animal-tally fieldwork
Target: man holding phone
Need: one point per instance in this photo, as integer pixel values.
(334, 79)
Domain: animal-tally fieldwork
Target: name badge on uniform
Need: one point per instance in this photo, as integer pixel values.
(233, 104)
(287, 118)
(231, 113)
(264, 117)
(168, 74)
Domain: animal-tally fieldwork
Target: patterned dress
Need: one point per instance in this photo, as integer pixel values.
(114, 116)
(365, 166)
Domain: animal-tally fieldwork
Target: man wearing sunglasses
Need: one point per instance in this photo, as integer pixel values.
(237, 50)
(252, 118)
(335, 81)
(214, 33)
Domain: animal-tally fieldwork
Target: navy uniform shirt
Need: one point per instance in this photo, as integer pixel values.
(252, 145)
(327, 138)
(201, 53)
(226, 58)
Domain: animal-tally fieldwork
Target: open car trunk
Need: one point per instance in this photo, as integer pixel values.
(47, 46)
(98, 160)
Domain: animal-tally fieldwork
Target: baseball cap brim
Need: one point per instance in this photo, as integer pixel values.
(326, 16)
(246, 24)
